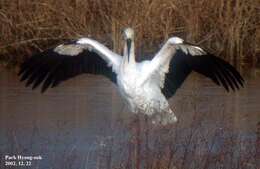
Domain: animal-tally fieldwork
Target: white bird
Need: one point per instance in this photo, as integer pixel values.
(145, 85)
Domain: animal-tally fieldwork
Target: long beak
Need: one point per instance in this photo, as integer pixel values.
(128, 43)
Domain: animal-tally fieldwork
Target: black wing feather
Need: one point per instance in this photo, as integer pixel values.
(179, 69)
(51, 68)
(218, 70)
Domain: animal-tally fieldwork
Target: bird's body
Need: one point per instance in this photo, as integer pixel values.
(141, 96)
(146, 85)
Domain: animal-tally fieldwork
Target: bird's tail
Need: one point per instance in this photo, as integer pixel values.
(164, 118)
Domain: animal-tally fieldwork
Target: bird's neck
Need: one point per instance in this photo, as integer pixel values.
(131, 59)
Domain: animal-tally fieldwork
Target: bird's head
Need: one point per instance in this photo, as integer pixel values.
(128, 34)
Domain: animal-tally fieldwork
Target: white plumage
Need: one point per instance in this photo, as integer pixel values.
(146, 85)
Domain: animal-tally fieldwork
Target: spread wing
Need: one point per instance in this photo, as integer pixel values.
(65, 61)
(178, 60)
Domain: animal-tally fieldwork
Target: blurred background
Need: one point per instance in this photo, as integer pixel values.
(229, 29)
(83, 123)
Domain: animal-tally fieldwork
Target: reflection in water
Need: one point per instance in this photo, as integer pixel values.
(84, 124)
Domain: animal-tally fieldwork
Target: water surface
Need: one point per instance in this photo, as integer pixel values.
(84, 121)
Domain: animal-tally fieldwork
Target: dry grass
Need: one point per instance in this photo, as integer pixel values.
(147, 147)
(226, 28)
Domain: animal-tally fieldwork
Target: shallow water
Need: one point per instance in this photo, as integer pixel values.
(85, 114)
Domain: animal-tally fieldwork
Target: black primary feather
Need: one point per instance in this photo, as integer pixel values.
(50, 68)
(218, 70)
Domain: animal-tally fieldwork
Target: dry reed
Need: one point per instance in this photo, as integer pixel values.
(226, 28)
(150, 147)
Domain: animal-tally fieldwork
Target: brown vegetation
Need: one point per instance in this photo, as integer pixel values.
(143, 145)
(226, 28)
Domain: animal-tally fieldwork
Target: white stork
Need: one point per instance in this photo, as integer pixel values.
(145, 85)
